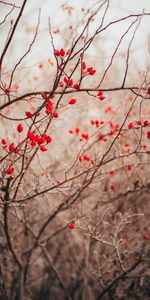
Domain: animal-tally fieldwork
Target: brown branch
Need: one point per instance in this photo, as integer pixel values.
(113, 89)
(12, 34)
(123, 275)
(6, 227)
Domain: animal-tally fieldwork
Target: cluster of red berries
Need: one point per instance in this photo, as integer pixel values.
(108, 109)
(60, 53)
(36, 140)
(69, 83)
(148, 135)
(86, 70)
(77, 131)
(84, 158)
(10, 170)
(11, 146)
(139, 122)
(97, 123)
(101, 95)
(84, 136)
(101, 137)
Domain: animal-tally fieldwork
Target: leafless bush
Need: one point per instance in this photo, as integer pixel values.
(74, 177)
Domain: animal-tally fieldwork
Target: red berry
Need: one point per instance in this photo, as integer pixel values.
(43, 148)
(101, 98)
(130, 168)
(48, 139)
(72, 101)
(146, 123)
(145, 237)
(44, 95)
(71, 226)
(49, 105)
(62, 52)
(148, 135)
(20, 128)
(56, 52)
(55, 114)
(16, 151)
(77, 130)
(5, 147)
(76, 86)
(148, 92)
(11, 147)
(112, 186)
(97, 123)
(9, 171)
(28, 114)
(61, 84)
(7, 91)
(131, 125)
(112, 172)
(3, 141)
(30, 134)
(71, 131)
(101, 137)
(100, 93)
(85, 136)
(66, 79)
(91, 71)
(40, 65)
(41, 140)
(70, 82)
(83, 66)
(33, 143)
(92, 122)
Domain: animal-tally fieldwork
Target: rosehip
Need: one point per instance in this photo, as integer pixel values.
(9, 171)
(20, 128)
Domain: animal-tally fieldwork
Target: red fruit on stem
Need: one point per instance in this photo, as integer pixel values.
(11, 147)
(48, 139)
(131, 125)
(148, 135)
(55, 115)
(7, 91)
(41, 140)
(29, 134)
(112, 186)
(20, 128)
(76, 86)
(112, 172)
(72, 101)
(3, 141)
(28, 114)
(33, 143)
(101, 98)
(83, 66)
(43, 148)
(71, 226)
(56, 52)
(77, 130)
(62, 52)
(145, 237)
(130, 168)
(44, 95)
(71, 131)
(9, 171)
